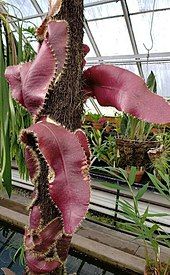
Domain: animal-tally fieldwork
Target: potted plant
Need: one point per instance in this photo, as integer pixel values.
(134, 140)
(102, 146)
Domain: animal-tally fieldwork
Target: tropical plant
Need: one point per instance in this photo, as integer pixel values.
(13, 117)
(134, 129)
(137, 221)
(102, 146)
(161, 183)
(57, 152)
(160, 157)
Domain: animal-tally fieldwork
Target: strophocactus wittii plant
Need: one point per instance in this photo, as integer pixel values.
(53, 88)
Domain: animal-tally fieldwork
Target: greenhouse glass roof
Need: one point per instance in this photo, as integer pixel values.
(133, 34)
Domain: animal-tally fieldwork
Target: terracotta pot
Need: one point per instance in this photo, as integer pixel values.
(97, 125)
(139, 174)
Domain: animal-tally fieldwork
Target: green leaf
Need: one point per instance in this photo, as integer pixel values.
(159, 186)
(20, 34)
(113, 186)
(158, 214)
(132, 175)
(153, 228)
(151, 82)
(141, 192)
(124, 173)
(7, 175)
(163, 236)
(165, 177)
(145, 214)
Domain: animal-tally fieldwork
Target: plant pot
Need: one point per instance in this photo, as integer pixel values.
(134, 153)
(97, 125)
(139, 174)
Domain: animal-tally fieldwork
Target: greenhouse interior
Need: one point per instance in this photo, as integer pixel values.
(85, 137)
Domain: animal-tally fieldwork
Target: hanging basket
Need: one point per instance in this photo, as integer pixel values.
(134, 153)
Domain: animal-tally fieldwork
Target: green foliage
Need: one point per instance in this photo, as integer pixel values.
(12, 116)
(28, 51)
(94, 117)
(137, 221)
(134, 129)
(151, 82)
(102, 146)
(20, 254)
(22, 120)
(161, 163)
(162, 184)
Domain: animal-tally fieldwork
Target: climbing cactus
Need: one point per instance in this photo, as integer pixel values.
(52, 88)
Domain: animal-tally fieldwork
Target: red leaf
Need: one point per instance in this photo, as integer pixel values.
(7, 271)
(86, 49)
(116, 87)
(35, 217)
(31, 81)
(16, 76)
(84, 143)
(69, 188)
(42, 264)
(63, 245)
(41, 238)
(31, 162)
(39, 78)
(58, 38)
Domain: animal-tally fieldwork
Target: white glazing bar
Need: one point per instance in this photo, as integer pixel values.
(131, 34)
(37, 7)
(97, 3)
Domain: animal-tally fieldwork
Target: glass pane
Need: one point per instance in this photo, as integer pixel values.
(43, 4)
(35, 22)
(162, 74)
(21, 8)
(160, 30)
(106, 111)
(87, 42)
(111, 36)
(132, 68)
(144, 5)
(106, 10)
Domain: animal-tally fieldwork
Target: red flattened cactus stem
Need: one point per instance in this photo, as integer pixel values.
(122, 89)
(30, 82)
(68, 187)
(84, 143)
